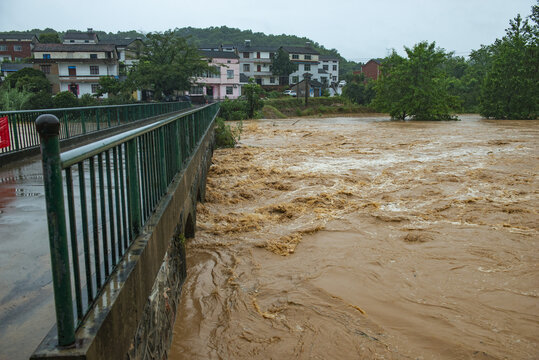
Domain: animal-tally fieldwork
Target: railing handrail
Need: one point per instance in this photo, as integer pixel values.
(85, 107)
(84, 152)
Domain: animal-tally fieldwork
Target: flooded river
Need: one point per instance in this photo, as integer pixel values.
(360, 238)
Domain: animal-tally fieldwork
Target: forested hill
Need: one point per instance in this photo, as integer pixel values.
(224, 35)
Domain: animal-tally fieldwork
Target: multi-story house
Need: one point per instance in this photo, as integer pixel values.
(76, 67)
(371, 69)
(226, 82)
(329, 70)
(16, 47)
(255, 62)
(307, 61)
(129, 51)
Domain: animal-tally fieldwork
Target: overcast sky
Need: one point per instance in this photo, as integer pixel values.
(358, 29)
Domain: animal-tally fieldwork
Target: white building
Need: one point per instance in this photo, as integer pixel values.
(329, 69)
(255, 62)
(307, 61)
(76, 67)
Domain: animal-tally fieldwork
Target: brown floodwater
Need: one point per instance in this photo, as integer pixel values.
(360, 238)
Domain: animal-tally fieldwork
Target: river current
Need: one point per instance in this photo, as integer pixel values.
(362, 238)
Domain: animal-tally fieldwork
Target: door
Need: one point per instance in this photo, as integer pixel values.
(72, 70)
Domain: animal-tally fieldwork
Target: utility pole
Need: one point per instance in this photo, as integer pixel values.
(306, 77)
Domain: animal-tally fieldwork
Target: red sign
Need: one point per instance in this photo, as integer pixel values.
(4, 132)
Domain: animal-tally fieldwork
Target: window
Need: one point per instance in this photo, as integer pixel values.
(272, 80)
(6, 58)
(246, 68)
(95, 88)
(258, 68)
(325, 67)
(45, 68)
(3, 47)
(46, 56)
(295, 79)
(307, 57)
(72, 70)
(17, 47)
(334, 67)
(93, 56)
(334, 78)
(71, 41)
(196, 90)
(229, 90)
(307, 67)
(295, 56)
(272, 55)
(94, 70)
(228, 61)
(258, 54)
(86, 41)
(230, 74)
(246, 55)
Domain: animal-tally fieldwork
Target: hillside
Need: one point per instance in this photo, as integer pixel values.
(224, 35)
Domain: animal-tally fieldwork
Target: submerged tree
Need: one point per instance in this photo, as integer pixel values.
(168, 63)
(511, 86)
(417, 86)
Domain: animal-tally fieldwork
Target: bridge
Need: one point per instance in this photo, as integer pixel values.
(118, 212)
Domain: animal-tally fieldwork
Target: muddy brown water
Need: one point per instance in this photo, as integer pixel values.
(359, 238)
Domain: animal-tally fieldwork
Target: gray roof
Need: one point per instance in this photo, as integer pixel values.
(17, 36)
(72, 35)
(14, 67)
(300, 50)
(119, 42)
(328, 58)
(251, 48)
(218, 54)
(74, 47)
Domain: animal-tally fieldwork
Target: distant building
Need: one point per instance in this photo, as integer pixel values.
(307, 60)
(371, 69)
(329, 70)
(315, 88)
(76, 68)
(75, 37)
(226, 82)
(16, 47)
(255, 62)
(129, 51)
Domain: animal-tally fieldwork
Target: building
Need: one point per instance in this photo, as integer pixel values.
(76, 67)
(329, 70)
(226, 82)
(315, 88)
(16, 47)
(129, 51)
(371, 69)
(307, 61)
(75, 37)
(255, 62)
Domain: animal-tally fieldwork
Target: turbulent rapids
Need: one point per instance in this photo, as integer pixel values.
(359, 238)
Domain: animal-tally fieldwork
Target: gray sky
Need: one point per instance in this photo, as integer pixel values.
(358, 29)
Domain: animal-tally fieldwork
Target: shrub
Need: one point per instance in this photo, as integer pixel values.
(225, 136)
(88, 100)
(65, 99)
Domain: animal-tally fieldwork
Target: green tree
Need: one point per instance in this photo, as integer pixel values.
(13, 99)
(109, 85)
(252, 92)
(282, 66)
(511, 86)
(167, 64)
(416, 86)
(65, 99)
(359, 90)
(33, 82)
(49, 38)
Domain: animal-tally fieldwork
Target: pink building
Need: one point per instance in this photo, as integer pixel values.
(225, 84)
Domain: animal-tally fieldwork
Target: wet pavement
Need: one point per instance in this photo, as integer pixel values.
(362, 238)
(26, 294)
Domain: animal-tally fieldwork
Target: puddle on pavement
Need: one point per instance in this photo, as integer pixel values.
(358, 238)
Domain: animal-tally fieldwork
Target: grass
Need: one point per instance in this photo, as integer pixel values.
(291, 107)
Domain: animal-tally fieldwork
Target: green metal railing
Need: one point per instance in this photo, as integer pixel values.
(111, 188)
(80, 120)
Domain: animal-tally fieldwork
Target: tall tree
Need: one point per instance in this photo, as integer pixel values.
(415, 86)
(49, 38)
(282, 66)
(511, 86)
(168, 63)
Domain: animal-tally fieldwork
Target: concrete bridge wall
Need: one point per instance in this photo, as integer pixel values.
(134, 316)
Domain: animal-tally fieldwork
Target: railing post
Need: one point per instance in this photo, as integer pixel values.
(48, 127)
(133, 189)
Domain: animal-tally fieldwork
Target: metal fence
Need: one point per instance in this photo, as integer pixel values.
(80, 120)
(111, 188)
